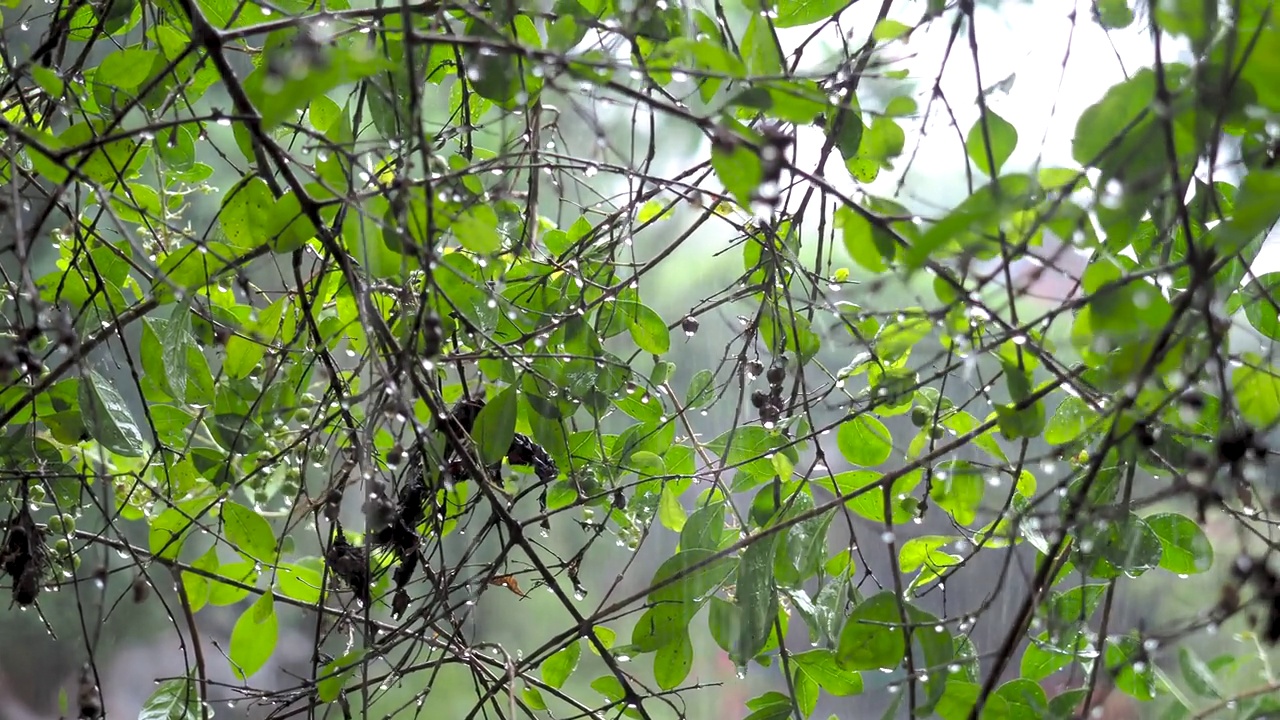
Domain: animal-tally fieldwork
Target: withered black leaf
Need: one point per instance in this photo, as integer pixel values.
(350, 564)
(24, 557)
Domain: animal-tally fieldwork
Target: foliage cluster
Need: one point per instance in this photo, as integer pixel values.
(425, 306)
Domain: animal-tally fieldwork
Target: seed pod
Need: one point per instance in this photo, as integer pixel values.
(141, 589)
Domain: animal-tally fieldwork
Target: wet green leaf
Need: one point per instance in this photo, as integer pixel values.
(696, 583)
(864, 441)
(177, 699)
(557, 668)
(495, 427)
(757, 599)
(1003, 138)
(872, 637)
(107, 417)
(248, 532)
(1186, 548)
(821, 666)
(253, 639)
(673, 661)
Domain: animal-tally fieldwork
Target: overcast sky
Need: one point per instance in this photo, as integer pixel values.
(1029, 41)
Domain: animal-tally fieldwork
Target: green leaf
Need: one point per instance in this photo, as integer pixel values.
(1040, 660)
(107, 163)
(673, 661)
(1196, 19)
(882, 141)
(301, 580)
(494, 75)
(1071, 420)
(1133, 672)
(670, 511)
(333, 678)
(1198, 677)
(176, 699)
(177, 345)
(887, 29)
(848, 129)
(652, 210)
(896, 339)
(610, 687)
(107, 416)
(1025, 697)
(759, 49)
(557, 668)
(926, 552)
(756, 598)
(477, 229)
(704, 528)
(244, 572)
(248, 532)
(253, 639)
(125, 69)
(495, 427)
(794, 13)
(1115, 14)
(1258, 307)
(170, 529)
(694, 585)
(279, 96)
(960, 697)
(738, 168)
(790, 332)
(289, 227)
(821, 666)
(872, 637)
(962, 423)
(958, 488)
(48, 80)
(1116, 115)
(864, 441)
(870, 503)
(769, 706)
(640, 404)
(192, 267)
(1187, 550)
(805, 691)
(244, 354)
(236, 433)
(659, 626)
(1004, 138)
(869, 245)
(198, 587)
(648, 330)
(806, 542)
(1020, 422)
(1255, 212)
(533, 697)
(247, 213)
(1257, 388)
(938, 649)
(1128, 545)
(323, 113)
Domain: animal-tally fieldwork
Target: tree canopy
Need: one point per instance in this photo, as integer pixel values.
(594, 359)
